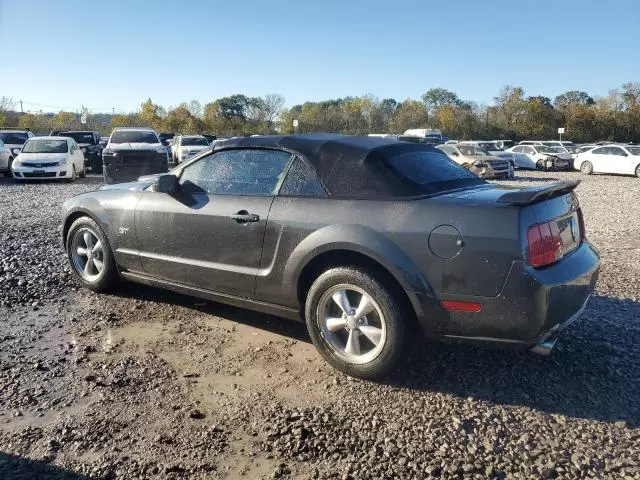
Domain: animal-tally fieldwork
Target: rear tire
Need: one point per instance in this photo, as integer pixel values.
(83, 174)
(638, 171)
(96, 278)
(348, 342)
(587, 168)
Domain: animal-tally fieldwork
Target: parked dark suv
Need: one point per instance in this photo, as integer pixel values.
(132, 152)
(89, 143)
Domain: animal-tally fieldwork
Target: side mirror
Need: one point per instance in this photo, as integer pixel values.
(167, 184)
(455, 154)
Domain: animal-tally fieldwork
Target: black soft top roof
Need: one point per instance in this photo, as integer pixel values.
(348, 166)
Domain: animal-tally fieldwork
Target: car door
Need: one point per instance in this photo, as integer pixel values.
(210, 234)
(599, 159)
(619, 161)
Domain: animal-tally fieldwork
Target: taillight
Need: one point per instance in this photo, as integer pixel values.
(544, 244)
(583, 230)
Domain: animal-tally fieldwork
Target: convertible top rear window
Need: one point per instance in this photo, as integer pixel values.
(427, 172)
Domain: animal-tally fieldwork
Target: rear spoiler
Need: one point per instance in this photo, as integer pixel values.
(528, 196)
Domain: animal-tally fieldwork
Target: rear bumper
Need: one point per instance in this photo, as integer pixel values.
(533, 306)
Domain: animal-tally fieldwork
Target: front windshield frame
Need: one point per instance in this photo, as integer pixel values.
(472, 151)
(33, 145)
(134, 136)
(545, 149)
(189, 142)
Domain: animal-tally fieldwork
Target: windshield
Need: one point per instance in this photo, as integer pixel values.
(430, 171)
(571, 149)
(559, 149)
(14, 138)
(79, 137)
(45, 146)
(133, 136)
(489, 146)
(193, 141)
(472, 150)
(546, 149)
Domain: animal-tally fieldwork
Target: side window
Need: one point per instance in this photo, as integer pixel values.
(599, 151)
(528, 150)
(517, 149)
(70, 147)
(616, 151)
(236, 172)
(302, 181)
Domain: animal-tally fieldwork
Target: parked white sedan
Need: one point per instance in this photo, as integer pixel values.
(543, 157)
(620, 159)
(48, 158)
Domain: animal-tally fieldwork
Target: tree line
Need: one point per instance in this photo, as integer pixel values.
(513, 115)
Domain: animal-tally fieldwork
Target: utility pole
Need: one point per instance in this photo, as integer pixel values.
(113, 111)
(21, 109)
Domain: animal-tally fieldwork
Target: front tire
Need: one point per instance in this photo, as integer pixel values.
(587, 168)
(638, 171)
(356, 323)
(90, 256)
(74, 175)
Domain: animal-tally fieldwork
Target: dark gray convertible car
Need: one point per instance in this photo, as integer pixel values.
(368, 240)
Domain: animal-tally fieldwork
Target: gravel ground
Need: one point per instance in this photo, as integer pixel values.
(149, 384)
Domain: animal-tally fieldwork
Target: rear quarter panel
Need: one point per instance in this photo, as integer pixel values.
(396, 234)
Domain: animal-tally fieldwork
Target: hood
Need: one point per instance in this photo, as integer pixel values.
(503, 154)
(42, 157)
(135, 146)
(139, 185)
(490, 158)
(562, 156)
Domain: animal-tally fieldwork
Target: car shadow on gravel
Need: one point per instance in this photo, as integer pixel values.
(592, 373)
(270, 323)
(18, 468)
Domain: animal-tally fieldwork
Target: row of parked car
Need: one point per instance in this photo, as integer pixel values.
(67, 155)
(602, 157)
(130, 152)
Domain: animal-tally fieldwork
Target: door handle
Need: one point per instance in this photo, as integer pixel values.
(245, 217)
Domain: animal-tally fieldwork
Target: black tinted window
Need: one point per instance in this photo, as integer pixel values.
(600, 151)
(236, 172)
(616, 151)
(80, 137)
(12, 138)
(133, 136)
(194, 141)
(430, 171)
(301, 180)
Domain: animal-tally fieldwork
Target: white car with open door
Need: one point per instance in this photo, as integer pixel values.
(621, 159)
(49, 158)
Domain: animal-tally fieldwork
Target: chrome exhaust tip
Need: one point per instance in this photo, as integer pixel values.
(544, 348)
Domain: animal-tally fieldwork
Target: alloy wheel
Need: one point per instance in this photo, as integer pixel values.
(87, 254)
(586, 168)
(351, 323)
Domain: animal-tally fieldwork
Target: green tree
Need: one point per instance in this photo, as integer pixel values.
(436, 98)
(573, 97)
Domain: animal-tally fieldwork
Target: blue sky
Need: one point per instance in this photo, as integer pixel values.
(117, 53)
